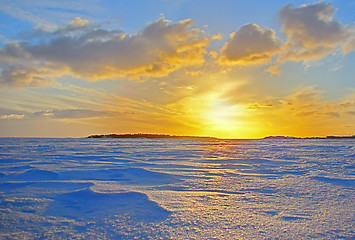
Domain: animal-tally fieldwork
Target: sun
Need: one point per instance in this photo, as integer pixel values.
(222, 118)
(213, 113)
(219, 115)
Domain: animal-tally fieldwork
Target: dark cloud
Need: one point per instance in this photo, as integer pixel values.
(24, 76)
(250, 44)
(311, 31)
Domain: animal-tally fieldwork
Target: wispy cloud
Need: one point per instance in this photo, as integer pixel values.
(18, 10)
(11, 116)
(48, 13)
(26, 76)
(73, 113)
(303, 113)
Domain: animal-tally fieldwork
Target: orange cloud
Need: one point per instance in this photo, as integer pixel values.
(274, 70)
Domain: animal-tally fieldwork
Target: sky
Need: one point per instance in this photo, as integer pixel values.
(227, 68)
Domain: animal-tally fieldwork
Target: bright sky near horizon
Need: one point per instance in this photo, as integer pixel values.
(228, 68)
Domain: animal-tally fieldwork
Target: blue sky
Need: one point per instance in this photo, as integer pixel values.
(239, 69)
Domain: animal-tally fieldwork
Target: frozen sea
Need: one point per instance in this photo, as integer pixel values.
(177, 189)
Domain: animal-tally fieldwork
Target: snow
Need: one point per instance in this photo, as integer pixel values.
(177, 188)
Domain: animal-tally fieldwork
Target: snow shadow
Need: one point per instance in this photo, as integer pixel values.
(89, 205)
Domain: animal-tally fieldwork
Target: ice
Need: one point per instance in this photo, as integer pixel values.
(177, 188)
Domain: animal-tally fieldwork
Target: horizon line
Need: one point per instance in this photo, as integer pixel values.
(173, 136)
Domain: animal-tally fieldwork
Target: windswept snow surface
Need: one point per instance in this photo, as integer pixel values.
(177, 189)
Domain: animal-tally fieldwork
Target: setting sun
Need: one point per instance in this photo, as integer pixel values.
(221, 118)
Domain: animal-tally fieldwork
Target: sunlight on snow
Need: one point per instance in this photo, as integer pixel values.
(176, 188)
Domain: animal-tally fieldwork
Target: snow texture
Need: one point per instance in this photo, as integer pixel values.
(177, 189)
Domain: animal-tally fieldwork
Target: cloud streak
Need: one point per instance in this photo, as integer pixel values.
(302, 113)
(11, 116)
(73, 113)
(47, 13)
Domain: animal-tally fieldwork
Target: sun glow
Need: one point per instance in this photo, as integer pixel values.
(221, 118)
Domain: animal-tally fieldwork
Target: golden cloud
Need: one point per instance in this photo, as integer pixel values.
(79, 22)
(87, 52)
(274, 70)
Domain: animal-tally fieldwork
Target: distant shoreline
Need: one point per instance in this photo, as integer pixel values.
(167, 136)
(327, 137)
(150, 136)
